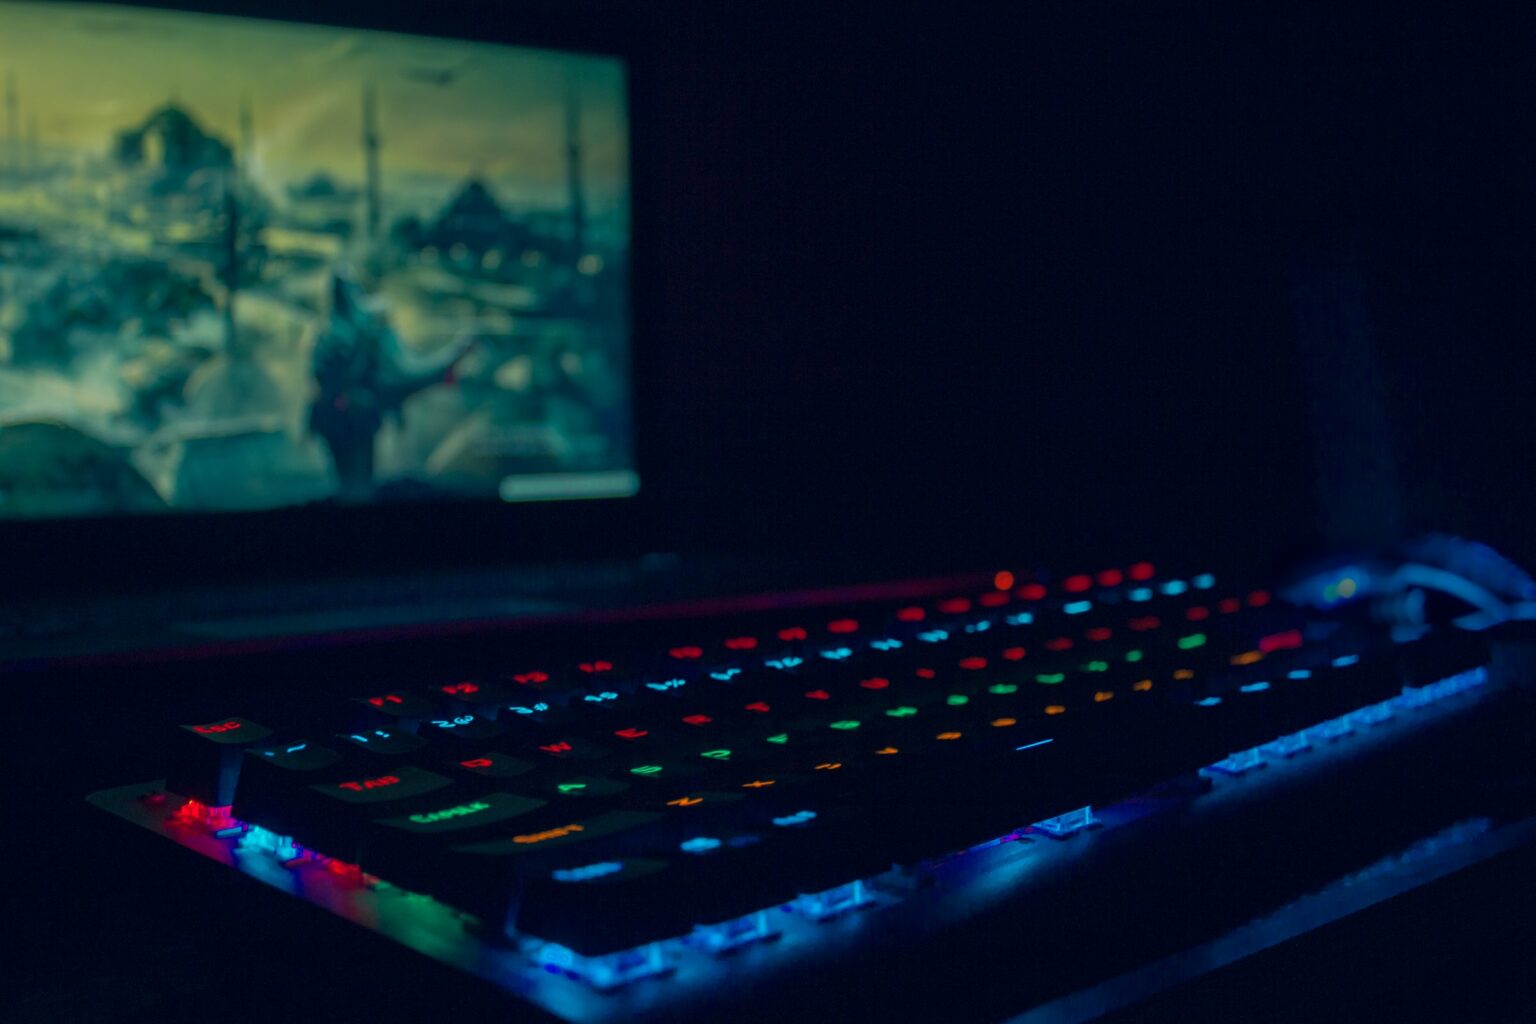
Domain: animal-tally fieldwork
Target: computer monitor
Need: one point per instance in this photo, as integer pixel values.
(263, 265)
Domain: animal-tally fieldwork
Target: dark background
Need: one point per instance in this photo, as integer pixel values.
(940, 277)
(1029, 273)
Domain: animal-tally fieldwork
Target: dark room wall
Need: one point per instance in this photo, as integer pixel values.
(1029, 275)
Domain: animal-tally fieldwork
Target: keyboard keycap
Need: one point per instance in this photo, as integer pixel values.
(205, 759)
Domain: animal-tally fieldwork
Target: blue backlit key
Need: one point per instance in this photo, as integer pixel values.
(382, 744)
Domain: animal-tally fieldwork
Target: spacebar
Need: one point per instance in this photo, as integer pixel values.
(940, 813)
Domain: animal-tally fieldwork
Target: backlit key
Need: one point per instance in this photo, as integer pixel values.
(205, 758)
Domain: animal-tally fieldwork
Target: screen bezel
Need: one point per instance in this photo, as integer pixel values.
(115, 555)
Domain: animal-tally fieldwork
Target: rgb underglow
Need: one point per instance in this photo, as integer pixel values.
(1064, 825)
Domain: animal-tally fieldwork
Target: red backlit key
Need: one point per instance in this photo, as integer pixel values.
(476, 693)
(550, 748)
(400, 784)
(530, 679)
(492, 765)
(397, 705)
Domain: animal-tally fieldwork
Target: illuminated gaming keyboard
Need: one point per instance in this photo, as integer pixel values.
(620, 804)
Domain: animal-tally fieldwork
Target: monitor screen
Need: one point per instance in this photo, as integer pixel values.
(253, 264)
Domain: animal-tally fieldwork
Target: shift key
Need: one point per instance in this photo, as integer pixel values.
(485, 877)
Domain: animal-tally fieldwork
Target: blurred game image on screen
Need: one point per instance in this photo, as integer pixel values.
(250, 264)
